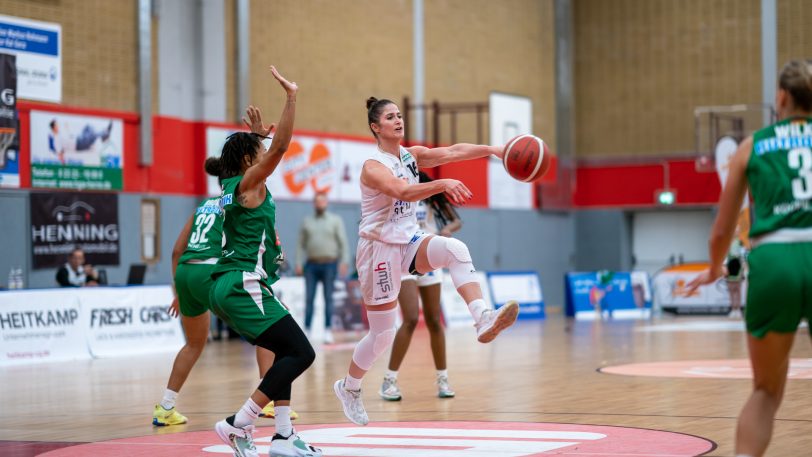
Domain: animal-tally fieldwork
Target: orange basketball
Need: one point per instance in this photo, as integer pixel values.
(527, 158)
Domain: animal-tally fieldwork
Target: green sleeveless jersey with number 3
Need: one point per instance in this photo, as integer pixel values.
(206, 240)
(250, 242)
(780, 176)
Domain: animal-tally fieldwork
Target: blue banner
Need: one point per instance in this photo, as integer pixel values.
(20, 38)
(602, 293)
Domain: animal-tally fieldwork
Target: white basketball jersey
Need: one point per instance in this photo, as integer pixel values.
(384, 218)
(425, 217)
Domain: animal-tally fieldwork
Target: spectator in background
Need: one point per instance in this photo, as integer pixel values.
(75, 273)
(321, 254)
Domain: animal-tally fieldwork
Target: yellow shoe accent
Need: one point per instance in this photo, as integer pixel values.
(161, 416)
(269, 412)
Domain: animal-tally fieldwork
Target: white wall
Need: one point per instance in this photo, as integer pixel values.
(659, 235)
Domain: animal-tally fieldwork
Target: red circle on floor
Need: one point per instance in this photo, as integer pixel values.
(708, 369)
(425, 439)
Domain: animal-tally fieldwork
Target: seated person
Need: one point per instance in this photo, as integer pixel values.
(75, 273)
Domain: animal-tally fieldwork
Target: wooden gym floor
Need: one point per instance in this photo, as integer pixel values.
(541, 371)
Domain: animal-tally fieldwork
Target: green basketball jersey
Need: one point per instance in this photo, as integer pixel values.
(780, 176)
(250, 242)
(206, 239)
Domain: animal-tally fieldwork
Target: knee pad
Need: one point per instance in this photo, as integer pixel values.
(380, 337)
(442, 252)
(453, 254)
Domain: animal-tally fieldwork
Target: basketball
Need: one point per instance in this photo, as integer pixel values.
(527, 158)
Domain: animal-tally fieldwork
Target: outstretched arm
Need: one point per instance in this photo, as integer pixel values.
(432, 157)
(378, 177)
(260, 171)
(730, 203)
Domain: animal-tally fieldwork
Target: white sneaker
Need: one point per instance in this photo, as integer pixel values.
(443, 389)
(735, 314)
(292, 446)
(328, 336)
(352, 403)
(389, 389)
(241, 440)
(492, 322)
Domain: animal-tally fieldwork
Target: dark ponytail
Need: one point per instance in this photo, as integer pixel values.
(444, 211)
(237, 146)
(374, 109)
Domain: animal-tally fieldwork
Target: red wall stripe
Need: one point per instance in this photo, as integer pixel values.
(179, 152)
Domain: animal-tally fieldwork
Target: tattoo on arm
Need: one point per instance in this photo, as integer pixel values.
(242, 199)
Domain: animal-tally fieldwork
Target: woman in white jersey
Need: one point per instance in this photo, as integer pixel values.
(391, 243)
(431, 213)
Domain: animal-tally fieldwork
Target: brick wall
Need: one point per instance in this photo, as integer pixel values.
(474, 47)
(642, 66)
(794, 30)
(99, 48)
(339, 52)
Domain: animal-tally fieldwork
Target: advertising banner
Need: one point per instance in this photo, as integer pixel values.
(671, 291)
(130, 320)
(76, 152)
(347, 316)
(61, 221)
(9, 131)
(38, 49)
(598, 294)
(40, 326)
(311, 164)
(522, 286)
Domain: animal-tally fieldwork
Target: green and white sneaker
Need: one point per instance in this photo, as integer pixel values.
(292, 446)
(389, 389)
(241, 440)
(443, 389)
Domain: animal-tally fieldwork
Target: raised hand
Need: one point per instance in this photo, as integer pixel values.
(291, 88)
(254, 121)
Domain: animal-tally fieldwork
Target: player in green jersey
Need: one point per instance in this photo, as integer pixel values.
(248, 266)
(194, 256)
(775, 164)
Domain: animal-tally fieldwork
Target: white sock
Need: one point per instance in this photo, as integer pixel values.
(247, 415)
(282, 420)
(442, 373)
(477, 307)
(170, 396)
(391, 374)
(351, 383)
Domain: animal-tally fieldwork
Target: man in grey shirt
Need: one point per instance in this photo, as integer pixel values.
(322, 248)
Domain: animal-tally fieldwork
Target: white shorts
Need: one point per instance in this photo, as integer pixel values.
(429, 279)
(381, 266)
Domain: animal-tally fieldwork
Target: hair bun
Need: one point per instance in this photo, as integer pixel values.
(213, 166)
(371, 101)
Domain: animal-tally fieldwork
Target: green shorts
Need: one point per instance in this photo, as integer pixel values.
(779, 289)
(246, 303)
(192, 284)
